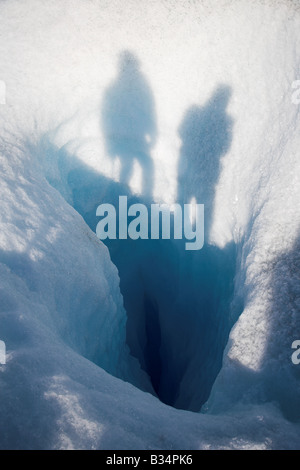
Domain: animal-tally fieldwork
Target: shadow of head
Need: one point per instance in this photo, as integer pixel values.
(221, 97)
(128, 62)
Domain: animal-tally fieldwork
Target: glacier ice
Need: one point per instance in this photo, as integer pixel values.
(96, 334)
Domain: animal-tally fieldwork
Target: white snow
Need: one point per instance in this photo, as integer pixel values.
(65, 383)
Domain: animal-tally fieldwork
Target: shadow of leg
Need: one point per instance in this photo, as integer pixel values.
(146, 163)
(126, 169)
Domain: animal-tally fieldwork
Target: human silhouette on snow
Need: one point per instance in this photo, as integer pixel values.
(206, 135)
(128, 119)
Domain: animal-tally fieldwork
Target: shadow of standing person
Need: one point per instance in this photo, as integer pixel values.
(206, 134)
(207, 274)
(128, 121)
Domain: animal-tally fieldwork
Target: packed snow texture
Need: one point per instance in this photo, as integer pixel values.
(210, 83)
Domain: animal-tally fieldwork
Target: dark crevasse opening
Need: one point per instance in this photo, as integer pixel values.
(152, 349)
(178, 302)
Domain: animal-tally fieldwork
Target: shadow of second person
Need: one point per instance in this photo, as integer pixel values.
(129, 123)
(206, 135)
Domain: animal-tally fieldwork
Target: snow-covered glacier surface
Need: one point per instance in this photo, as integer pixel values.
(140, 344)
